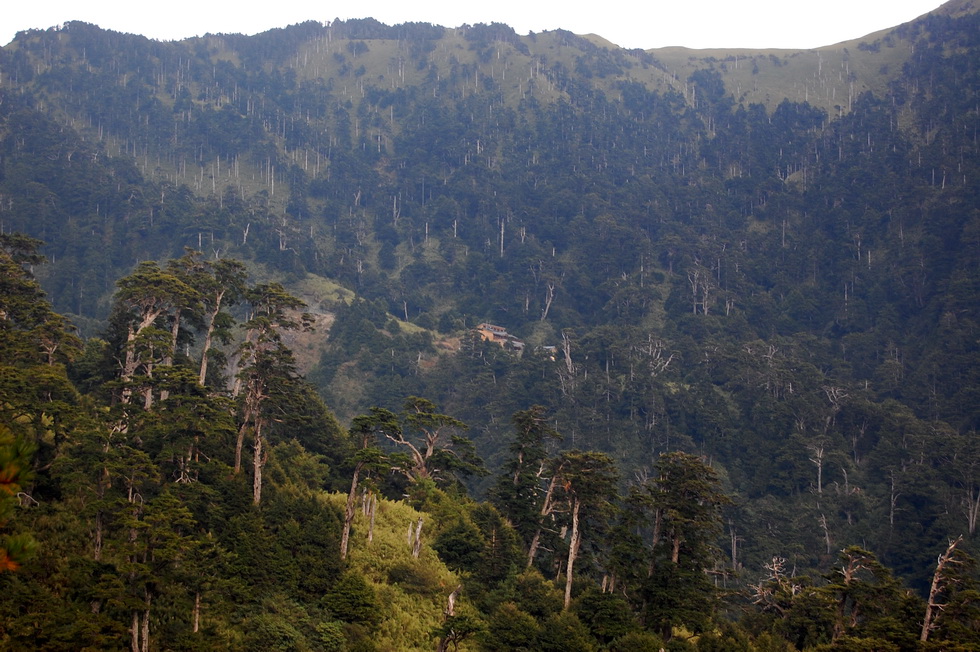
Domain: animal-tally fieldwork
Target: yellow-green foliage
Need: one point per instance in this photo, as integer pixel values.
(320, 291)
(830, 77)
(412, 593)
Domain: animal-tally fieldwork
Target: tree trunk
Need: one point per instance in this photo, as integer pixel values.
(148, 391)
(146, 626)
(374, 510)
(129, 368)
(249, 416)
(239, 445)
(168, 359)
(134, 641)
(349, 511)
(443, 645)
(548, 299)
(533, 547)
(972, 503)
(131, 362)
(133, 559)
(933, 608)
(203, 373)
(826, 532)
(545, 510)
(657, 526)
(97, 543)
(572, 552)
(208, 334)
(818, 457)
(197, 612)
(258, 461)
(892, 501)
(417, 542)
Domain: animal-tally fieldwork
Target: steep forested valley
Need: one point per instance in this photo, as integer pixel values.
(362, 337)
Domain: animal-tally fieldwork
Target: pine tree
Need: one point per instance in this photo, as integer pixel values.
(686, 501)
(267, 370)
(588, 484)
(518, 492)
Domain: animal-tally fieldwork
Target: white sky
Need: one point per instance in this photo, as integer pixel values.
(635, 24)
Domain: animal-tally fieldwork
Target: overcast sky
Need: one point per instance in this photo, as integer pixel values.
(650, 24)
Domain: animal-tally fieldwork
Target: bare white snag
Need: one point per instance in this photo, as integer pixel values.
(940, 580)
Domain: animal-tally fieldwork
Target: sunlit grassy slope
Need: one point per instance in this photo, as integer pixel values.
(411, 592)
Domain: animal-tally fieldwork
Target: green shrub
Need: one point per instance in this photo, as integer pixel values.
(510, 629)
(414, 577)
(637, 642)
(331, 637)
(352, 600)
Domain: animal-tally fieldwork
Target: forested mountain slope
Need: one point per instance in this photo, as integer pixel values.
(770, 259)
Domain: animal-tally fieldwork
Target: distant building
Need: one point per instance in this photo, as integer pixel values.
(499, 335)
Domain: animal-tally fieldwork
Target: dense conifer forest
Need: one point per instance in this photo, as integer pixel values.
(352, 336)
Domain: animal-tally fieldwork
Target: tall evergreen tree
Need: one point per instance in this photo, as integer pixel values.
(588, 484)
(686, 500)
(267, 370)
(518, 492)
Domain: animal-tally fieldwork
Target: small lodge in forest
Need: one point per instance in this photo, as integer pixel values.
(499, 335)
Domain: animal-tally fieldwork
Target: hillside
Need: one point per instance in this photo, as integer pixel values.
(767, 258)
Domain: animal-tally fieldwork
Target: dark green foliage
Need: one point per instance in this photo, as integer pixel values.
(564, 632)
(510, 629)
(330, 636)
(730, 638)
(854, 644)
(352, 600)
(607, 616)
(869, 601)
(37, 401)
(959, 588)
(676, 596)
(414, 578)
(308, 533)
(637, 642)
(680, 645)
(501, 553)
(679, 513)
(144, 531)
(535, 595)
(458, 628)
(809, 622)
(426, 446)
(460, 546)
(518, 492)
(788, 291)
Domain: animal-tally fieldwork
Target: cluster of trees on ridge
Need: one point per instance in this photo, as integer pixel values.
(132, 520)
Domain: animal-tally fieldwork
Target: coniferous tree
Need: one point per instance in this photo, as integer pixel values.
(588, 483)
(267, 370)
(518, 492)
(36, 397)
(685, 500)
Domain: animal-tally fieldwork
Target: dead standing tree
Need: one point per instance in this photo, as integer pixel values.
(941, 581)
